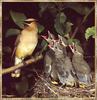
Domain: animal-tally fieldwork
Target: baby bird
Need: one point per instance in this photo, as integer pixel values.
(81, 67)
(63, 66)
(27, 42)
(60, 66)
(49, 56)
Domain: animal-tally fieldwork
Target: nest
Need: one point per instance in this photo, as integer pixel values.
(45, 89)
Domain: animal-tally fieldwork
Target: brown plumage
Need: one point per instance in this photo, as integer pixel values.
(26, 44)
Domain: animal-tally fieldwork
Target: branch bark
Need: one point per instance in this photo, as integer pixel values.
(23, 64)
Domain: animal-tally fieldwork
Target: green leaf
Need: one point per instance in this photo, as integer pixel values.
(61, 26)
(68, 27)
(70, 41)
(18, 18)
(44, 43)
(12, 32)
(76, 41)
(90, 32)
(40, 28)
(22, 86)
(59, 23)
(62, 18)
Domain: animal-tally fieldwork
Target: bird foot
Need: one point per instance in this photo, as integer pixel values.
(54, 82)
(16, 74)
(82, 85)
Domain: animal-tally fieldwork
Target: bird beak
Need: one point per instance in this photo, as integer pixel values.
(50, 35)
(64, 44)
(71, 48)
(44, 37)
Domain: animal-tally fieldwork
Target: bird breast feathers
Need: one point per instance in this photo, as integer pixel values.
(27, 49)
(28, 36)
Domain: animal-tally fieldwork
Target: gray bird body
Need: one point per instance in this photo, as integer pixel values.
(65, 71)
(82, 68)
(59, 66)
(48, 59)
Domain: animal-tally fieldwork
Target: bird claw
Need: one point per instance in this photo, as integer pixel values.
(84, 79)
(16, 74)
(68, 80)
(54, 82)
(82, 85)
(71, 83)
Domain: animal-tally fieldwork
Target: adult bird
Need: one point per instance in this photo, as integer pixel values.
(26, 43)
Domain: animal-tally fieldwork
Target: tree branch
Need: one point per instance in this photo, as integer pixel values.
(84, 19)
(23, 64)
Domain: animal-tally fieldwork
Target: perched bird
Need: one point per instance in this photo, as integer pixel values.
(81, 67)
(26, 44)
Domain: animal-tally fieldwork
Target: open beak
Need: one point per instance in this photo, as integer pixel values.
(70, 46)
(44, 37)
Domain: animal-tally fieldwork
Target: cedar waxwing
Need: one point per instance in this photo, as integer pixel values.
(27, 42)
(82, 68)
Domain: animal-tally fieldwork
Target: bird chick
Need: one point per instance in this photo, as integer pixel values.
(27, 42)
(81, 67)
(49, 56)
(63, 66)
(59, 65)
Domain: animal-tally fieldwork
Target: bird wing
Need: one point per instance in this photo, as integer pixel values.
(16, 43)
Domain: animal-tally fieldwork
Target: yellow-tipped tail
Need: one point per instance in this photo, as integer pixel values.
(16, 73)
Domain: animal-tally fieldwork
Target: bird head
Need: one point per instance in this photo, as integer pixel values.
(50, 39)
(76, 49)
(62, 40)
(53, 43)
(30, 22)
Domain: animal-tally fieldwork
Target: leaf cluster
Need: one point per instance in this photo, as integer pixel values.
(90, 32)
